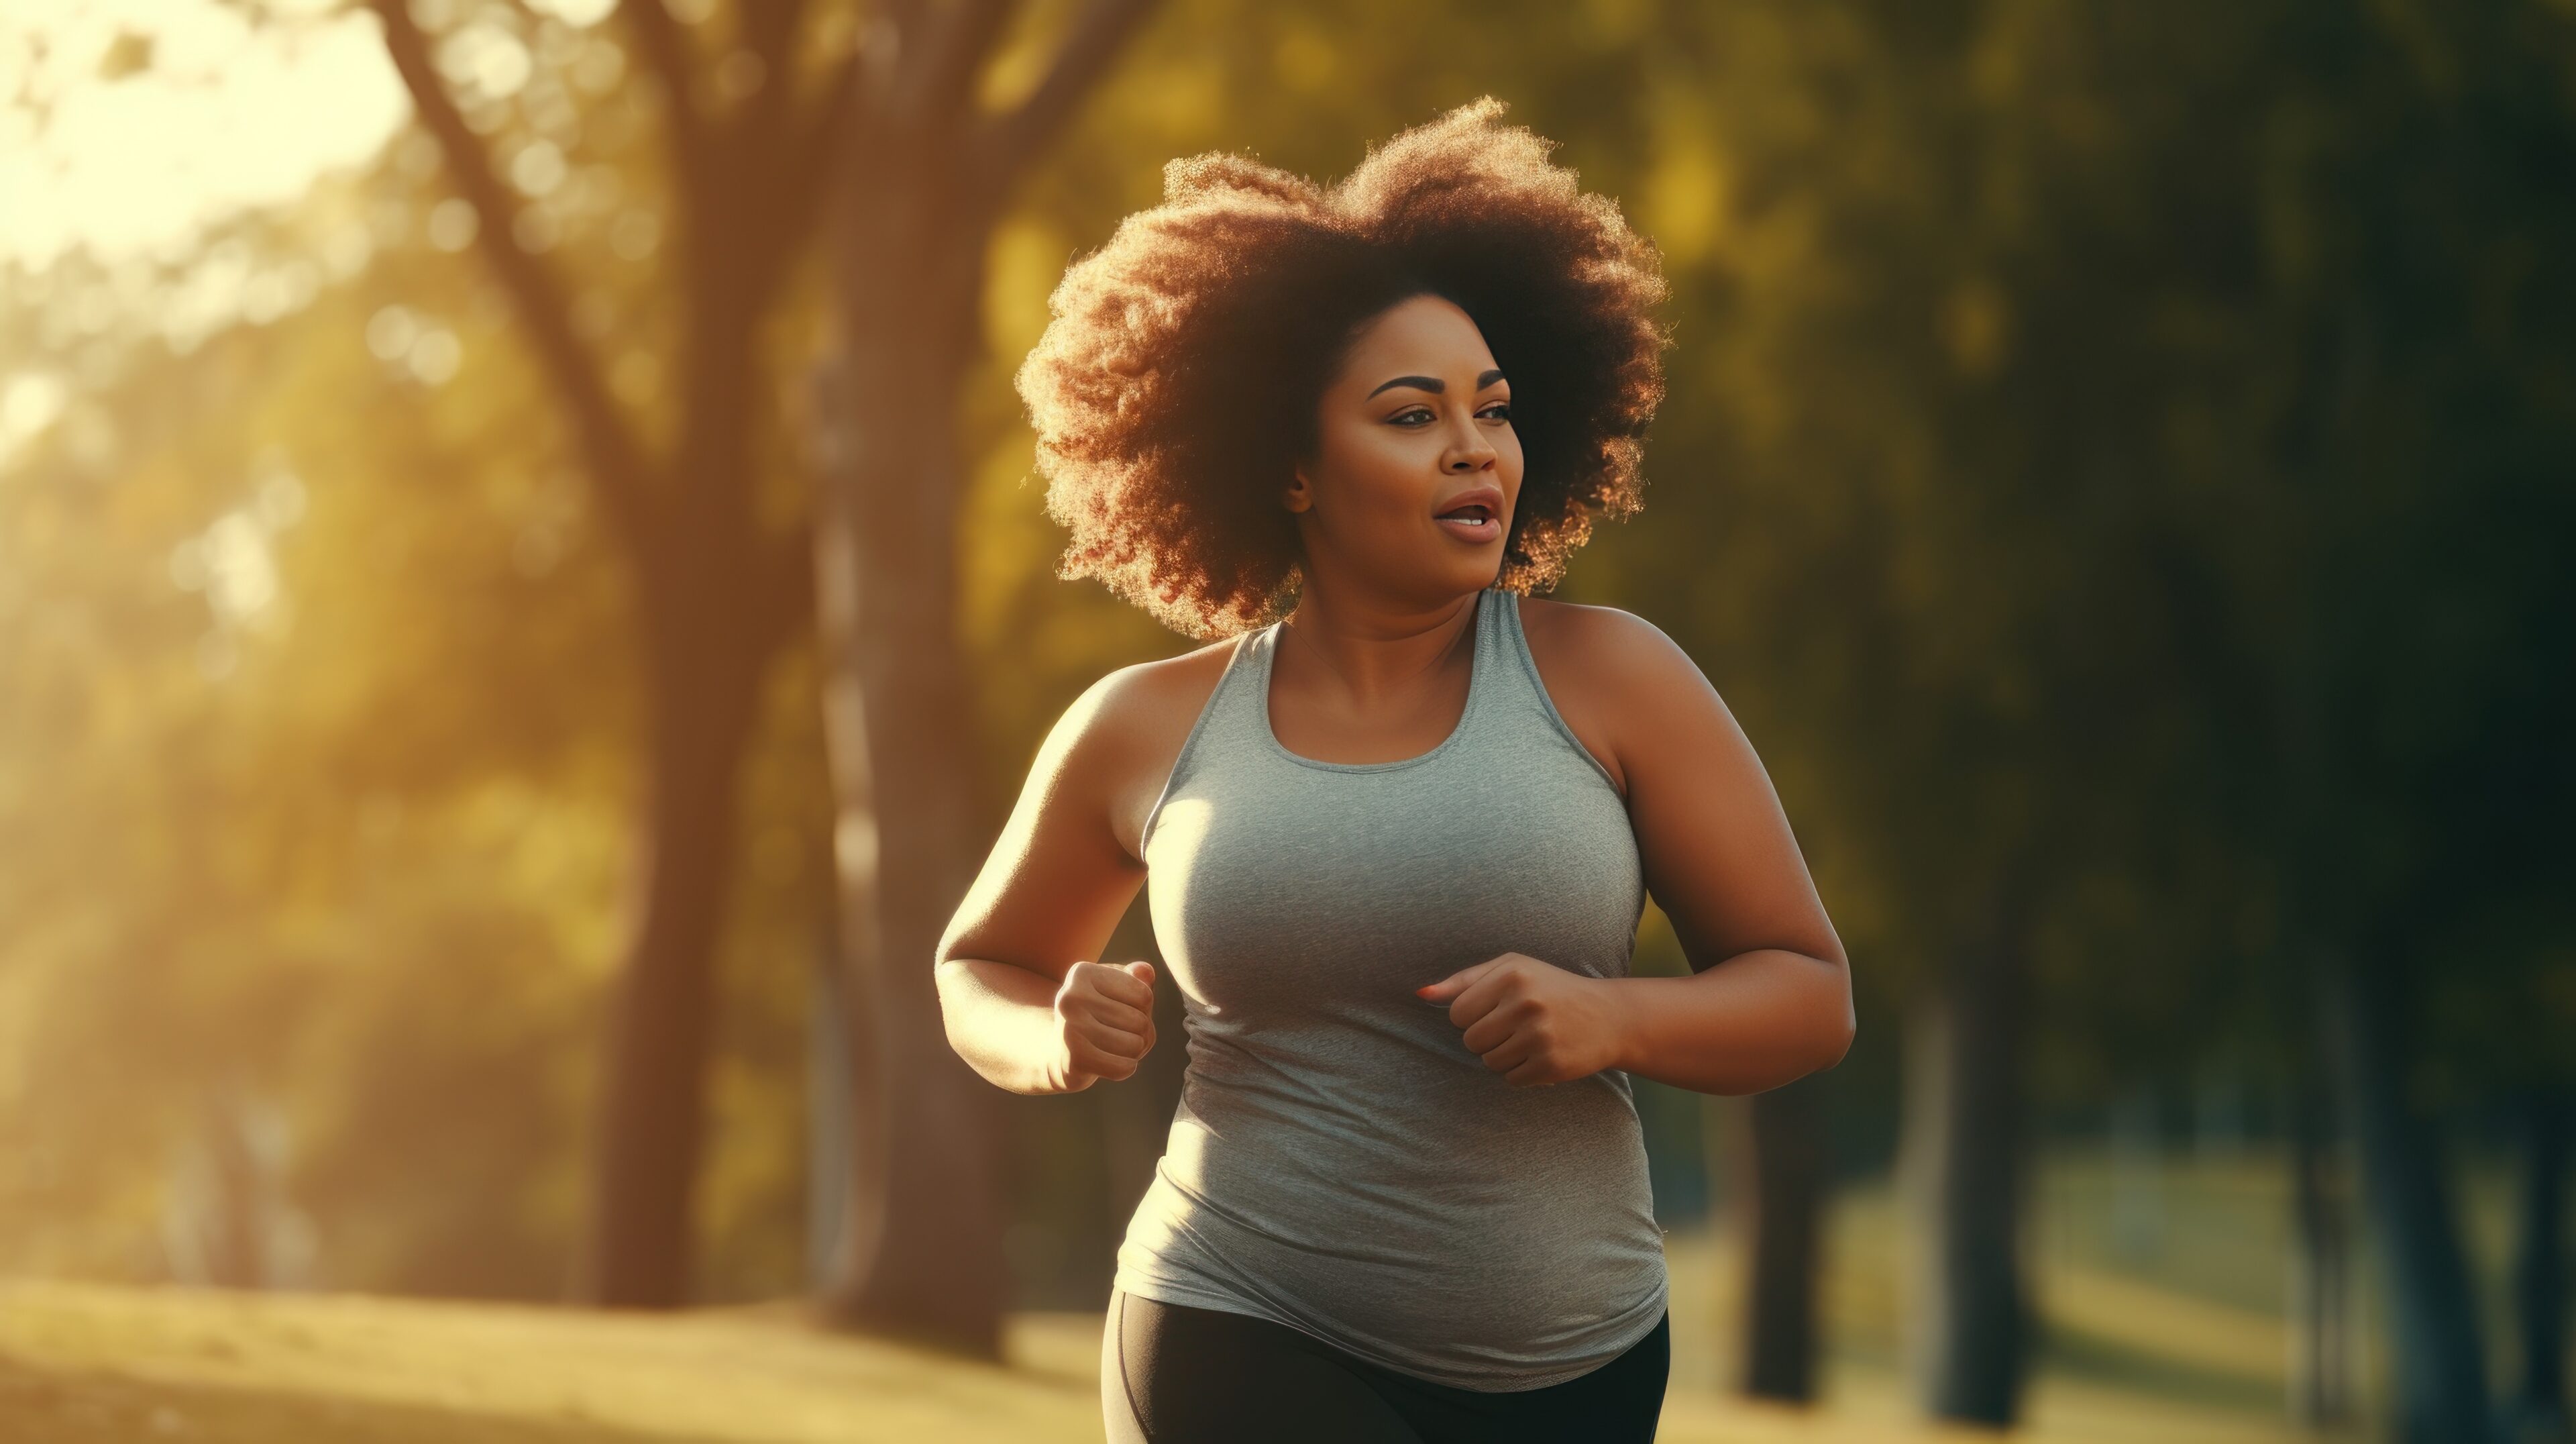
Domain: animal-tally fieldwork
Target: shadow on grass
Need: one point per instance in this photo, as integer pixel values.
(61, 1406)
(2096, 1359)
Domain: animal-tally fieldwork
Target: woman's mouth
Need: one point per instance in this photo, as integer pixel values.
(1474, 522)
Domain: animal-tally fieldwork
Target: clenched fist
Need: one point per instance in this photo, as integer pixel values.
(1532, 1021)
(1104, 1016)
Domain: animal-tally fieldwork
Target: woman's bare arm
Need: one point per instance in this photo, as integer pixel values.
(1026, 1002)
(1770, 998)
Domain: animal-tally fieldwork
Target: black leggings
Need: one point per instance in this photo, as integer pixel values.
(1172, 1374)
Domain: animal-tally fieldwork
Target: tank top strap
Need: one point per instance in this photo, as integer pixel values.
(1224, 727)
(1493, 656)
(1517, 679)
(1513, 702)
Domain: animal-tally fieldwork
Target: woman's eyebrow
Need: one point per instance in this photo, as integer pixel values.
(1434, 383)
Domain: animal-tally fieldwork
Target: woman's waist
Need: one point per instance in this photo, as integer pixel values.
(1384, 1195)
(1483, 1301)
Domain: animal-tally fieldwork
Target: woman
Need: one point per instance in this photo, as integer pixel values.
(1397, 829)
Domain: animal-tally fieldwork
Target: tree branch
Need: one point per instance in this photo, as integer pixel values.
(809, 158)
(666, 50)
(616, 463)
(527, 14)
(935, 79)
(769, 32)
(769, 28)
(755, 150)
(1006, 145)
(783, 596)
(828, 119)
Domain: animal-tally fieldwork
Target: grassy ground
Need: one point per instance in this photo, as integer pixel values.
(2148, 1340)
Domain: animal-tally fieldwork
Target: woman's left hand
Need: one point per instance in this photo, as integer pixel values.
(1532, 1021)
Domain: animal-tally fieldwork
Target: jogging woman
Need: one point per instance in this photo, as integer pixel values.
(1398, 825)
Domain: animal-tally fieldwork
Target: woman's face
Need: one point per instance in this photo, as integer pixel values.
(1416, 468)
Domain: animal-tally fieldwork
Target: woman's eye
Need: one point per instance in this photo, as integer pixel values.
(1500, 410)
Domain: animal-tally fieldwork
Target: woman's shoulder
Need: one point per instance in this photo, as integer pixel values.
(1147, 697)
(1603, 647)
(1605, 671)
(1140, 715)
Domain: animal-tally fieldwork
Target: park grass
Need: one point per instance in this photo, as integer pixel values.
(2130, 1355)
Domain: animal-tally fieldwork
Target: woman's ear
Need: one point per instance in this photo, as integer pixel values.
(1298, 495)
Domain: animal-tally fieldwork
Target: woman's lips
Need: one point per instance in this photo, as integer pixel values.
(1474, 513)
(1473, 524)
(1474, 517)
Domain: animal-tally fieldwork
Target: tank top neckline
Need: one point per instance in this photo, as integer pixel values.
(1478, 668)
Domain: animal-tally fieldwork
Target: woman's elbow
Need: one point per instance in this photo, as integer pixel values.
(1838, 1039)
(1837, 1024)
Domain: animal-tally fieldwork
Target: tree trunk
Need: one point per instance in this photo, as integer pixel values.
(2137, 1157)
(2440, 1359)
(2540, 1267)
(925, 1259)
(717, 590)
(702, 690)
(226, 1221)
(832, 1069)
(1784, 1146)
(1964, 1103)
(2320, 1276)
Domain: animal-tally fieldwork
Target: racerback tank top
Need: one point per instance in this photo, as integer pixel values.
(1340, 1162)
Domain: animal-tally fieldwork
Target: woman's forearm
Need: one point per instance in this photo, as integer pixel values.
(1754, 1022)
(1001, 1019)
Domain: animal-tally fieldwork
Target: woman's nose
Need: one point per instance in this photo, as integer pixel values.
(1475, 454)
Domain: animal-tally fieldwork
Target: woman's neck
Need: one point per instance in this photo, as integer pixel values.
(1377, 648)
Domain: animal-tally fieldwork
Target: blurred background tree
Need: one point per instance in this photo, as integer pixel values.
(929, 169)
(716, 587)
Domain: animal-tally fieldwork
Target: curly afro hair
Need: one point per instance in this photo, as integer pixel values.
(1177, 382)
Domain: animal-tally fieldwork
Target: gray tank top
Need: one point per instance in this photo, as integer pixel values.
(1340, 1162)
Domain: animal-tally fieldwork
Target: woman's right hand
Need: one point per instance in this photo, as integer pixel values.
(1104, 1016)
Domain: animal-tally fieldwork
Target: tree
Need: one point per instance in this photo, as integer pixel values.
(1785, 1147)
(927, 171)
(2413, 426)
(718, 588)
